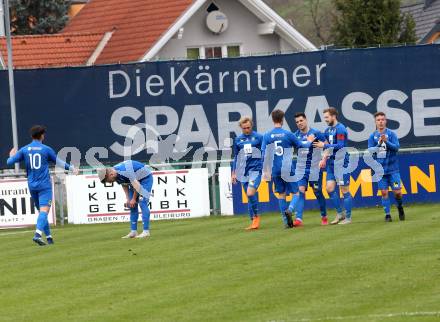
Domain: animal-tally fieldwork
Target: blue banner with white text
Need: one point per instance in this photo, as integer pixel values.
(190, 108)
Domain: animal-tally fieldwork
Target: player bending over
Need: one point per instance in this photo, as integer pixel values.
(298, 200)
(336, 136)
(248, 163)
(384, 144)
(37, 158)
(274, 144)
(136, 179)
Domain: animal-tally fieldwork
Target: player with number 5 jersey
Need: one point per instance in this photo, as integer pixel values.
(37, 158)
(274, 149)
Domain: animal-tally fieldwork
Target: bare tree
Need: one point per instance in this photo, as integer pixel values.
(321, 19)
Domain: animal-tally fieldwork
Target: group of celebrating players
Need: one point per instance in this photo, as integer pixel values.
(256, 157)
(269, 157)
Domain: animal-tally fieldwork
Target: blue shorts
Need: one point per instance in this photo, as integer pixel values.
(42, 198)
(390, 180)
(344, 181)
(282, 186)
(253, 182)
(304, 181)
(147, 185)
(317, 185)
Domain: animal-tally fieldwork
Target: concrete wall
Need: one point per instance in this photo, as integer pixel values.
(242, 30)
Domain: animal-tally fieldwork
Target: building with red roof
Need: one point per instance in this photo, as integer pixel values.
(67, 49)
(123, 31)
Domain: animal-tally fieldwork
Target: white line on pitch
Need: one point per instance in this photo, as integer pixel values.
(351, 317)
(16, 233)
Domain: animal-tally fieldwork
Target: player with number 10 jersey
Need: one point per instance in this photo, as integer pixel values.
(37, 158)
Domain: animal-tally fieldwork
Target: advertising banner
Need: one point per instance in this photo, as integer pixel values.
(420, 175)
(16, 206)
(226, 202)
(181, 109)
(176, 194)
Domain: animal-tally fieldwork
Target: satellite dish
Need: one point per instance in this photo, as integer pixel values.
(217, 22)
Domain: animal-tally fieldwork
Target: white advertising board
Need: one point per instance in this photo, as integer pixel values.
(16, 206)
(177, 194)
(226, 200)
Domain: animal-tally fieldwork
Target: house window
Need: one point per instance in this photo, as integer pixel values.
(233, 51)
(213, 52)
(193, 53)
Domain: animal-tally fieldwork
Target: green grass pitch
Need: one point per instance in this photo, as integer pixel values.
(210, 269)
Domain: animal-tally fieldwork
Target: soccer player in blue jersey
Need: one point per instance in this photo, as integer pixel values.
(247, 166)
(275, 142)
(136, 179)
(304, 166)
(384, 144)
(37, 158)
(337, 137)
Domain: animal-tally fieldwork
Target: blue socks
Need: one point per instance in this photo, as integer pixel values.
(283, 206)
(42, 222)
(293, 203)
(252, 206)
(250, 209)
(335, 200)
(145, 214)
(300, 206)
(386, 203)
(47, 230)
(321, 201)
(134, 216)
(348, 201)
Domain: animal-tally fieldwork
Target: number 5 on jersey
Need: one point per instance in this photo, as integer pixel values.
(278, 148)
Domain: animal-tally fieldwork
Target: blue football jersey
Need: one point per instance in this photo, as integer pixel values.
(278, 140)
(386, 152)
(37, 158)
(308, 153)
(337, 138)
(248, 145)
(131, 170)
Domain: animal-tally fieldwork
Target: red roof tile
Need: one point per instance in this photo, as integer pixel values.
(137, 25)
(51, 50)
